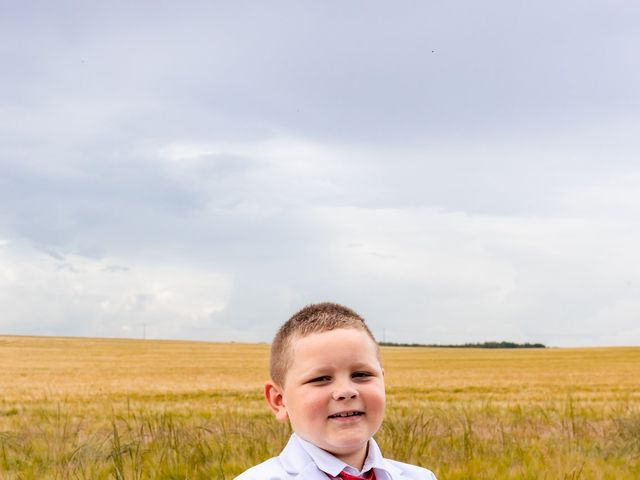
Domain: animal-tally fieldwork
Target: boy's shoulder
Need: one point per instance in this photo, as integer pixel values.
(410, 472)
(268, 470)
(291, 463)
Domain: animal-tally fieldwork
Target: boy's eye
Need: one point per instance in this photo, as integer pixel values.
(324, 378)
(360, 375)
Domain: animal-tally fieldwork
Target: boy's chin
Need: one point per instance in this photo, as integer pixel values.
(346, 446)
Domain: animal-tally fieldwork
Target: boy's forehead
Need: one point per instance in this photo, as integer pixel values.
(352, 331)
(301, 344)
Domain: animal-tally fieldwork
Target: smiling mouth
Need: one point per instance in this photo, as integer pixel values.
(353, 413)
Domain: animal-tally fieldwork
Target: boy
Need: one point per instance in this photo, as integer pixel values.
(327, 381)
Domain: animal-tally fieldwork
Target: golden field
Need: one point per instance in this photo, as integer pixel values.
(75, 408)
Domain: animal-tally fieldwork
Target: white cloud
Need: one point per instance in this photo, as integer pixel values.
(481, 277)
(109, 296)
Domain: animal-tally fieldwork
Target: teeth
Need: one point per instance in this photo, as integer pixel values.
(346, 414)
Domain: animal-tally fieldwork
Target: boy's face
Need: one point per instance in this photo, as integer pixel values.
(334, 392)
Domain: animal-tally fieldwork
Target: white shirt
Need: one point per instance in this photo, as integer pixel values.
(302, 460)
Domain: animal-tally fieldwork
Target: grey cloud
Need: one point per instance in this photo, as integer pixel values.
(115, 269)
(367, 73)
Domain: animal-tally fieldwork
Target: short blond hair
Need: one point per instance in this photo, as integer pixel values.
(315, 318)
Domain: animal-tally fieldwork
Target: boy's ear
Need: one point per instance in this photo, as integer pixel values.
(274, 395)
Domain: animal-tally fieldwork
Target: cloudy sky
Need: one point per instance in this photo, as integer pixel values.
(455, 171)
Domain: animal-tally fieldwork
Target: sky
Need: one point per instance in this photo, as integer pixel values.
(454, 171)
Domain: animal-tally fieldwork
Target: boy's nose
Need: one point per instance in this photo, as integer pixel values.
(345, 393)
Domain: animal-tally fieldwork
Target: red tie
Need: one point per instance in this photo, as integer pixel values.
(370, 475)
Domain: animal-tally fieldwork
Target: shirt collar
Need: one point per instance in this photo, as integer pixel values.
(333, 466)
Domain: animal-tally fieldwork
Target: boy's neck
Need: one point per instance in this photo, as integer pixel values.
(355, 460)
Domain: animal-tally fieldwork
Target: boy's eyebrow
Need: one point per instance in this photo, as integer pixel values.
(364, 365)
(328, 367)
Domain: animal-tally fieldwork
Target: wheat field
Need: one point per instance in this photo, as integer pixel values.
(74, 408)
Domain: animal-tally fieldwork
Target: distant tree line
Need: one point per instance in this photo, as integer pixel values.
(467, 345)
